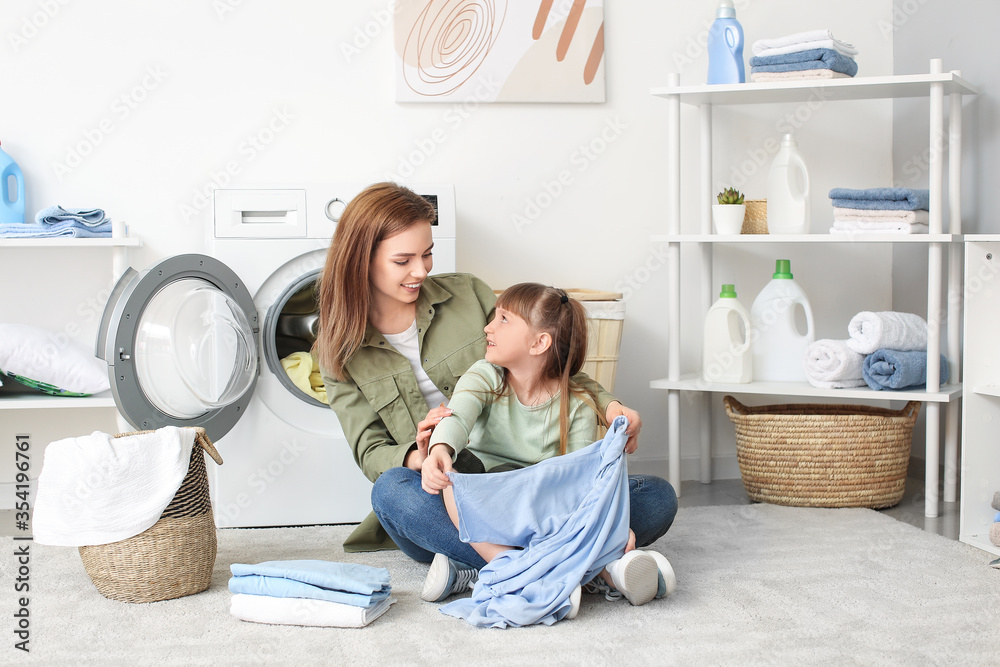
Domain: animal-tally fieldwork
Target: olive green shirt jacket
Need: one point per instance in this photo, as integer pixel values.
(379, 405)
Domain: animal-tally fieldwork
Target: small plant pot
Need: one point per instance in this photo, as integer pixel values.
(728, 218)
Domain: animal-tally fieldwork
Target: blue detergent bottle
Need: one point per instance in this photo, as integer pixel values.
(11, 191)
(725, 46)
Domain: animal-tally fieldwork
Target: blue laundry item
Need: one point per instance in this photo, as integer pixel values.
(805, 60)
(893, 369)
(346, 583)
(886, 199)
(91, 217)
(568, 514)
(996, 518)
(65, 228)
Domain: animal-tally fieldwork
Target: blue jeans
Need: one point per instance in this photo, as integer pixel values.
(420, 526)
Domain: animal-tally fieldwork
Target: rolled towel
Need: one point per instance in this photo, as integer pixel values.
(299, 611)
(893, 369)
(890, 330)
(996, 501)
(90, 217)
(830, 364)
(805, 60)
(801, 40)
(892, 199)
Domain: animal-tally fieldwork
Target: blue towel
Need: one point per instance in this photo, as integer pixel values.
(570, 517)
(91, 217)
(892, 369)
(59, 229)
(805, 60)
(886, 199)
(346, 583)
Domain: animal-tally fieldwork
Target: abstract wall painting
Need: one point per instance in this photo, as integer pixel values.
(499, 50)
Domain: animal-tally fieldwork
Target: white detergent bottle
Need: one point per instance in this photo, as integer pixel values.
(788, 191)
(777, 344)
(726, 354)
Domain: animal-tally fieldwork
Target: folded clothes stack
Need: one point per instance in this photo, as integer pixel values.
(880, 211)
(309, 592)
(56, 221)
(814, 54)
(886, 350)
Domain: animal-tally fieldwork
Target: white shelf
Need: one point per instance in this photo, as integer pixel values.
(45, 402)
(68, 241)
(855, 88)
(694, 382)
(806, 238)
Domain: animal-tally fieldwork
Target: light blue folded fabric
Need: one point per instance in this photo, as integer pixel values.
(805, 60)
(886, 199)
(893, 369)
(346, 583)
(69, 228)
(570, 516)
(91, 217)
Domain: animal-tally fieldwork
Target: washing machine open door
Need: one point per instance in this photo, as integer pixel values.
(180, 341)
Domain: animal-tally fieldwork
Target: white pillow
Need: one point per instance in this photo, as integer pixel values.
(50, 362)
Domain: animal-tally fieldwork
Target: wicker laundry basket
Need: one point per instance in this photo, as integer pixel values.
(810, 455)
(175, 556)
(755, 220)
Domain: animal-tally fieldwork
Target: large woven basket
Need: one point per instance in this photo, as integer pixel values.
(175, 556)
(810, 455)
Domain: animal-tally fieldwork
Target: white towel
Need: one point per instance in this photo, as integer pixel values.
(879, 215)
(802, 41)
(97, 489)
(764, 77)
(862, 227)
(830, 364)
(889, 330)
(303, 611)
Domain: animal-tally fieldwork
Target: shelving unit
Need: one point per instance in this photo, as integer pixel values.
(934, 86)
(981, 406)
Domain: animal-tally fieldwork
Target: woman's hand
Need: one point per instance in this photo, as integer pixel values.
(426, 427)
(432, 473)
(634, 423)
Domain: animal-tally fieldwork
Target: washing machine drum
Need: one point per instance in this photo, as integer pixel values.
(181, 344)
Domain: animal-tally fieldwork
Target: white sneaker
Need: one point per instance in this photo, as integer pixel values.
(667, 583)
(574, 603)
(447, 577)
(636, 576)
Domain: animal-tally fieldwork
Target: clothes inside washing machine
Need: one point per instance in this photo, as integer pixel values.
(296, 326)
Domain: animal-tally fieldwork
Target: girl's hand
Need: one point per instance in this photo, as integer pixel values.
(634, 423)
(426, 427)
(432, 473)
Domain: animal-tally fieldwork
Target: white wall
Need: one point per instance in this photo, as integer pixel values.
(165, 98)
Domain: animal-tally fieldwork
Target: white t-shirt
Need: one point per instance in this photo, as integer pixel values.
(406, 344)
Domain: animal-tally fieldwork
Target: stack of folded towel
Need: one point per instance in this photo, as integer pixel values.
(995, 527)
(886, 350)
(309, 592)
(814, 54)
(56, 221)
(880, 210)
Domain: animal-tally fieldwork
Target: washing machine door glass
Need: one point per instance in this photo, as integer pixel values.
(194, 349)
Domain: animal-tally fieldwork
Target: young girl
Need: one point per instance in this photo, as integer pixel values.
(520, 406)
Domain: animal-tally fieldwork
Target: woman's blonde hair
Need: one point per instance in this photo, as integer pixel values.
(551, 310)
(380, 211)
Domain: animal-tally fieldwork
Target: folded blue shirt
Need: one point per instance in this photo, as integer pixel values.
(893, 369)
(805, 60)
(346, 583)
(568, 514)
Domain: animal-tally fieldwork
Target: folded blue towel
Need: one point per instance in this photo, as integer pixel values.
(346, 583)
(805, 60)
(886, 199)
(57, 229)
(91, 217)
(892, 369)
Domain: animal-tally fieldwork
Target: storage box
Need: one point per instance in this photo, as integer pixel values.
(605, 318)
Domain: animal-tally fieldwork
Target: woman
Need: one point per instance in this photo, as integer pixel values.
(392, 343)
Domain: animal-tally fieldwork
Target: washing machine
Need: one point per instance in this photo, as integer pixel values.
(198, 340)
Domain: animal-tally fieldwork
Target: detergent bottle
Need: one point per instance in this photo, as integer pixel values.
(726, 355)
(777, 345)
(725, 46)
(788, 191)
(11, 191)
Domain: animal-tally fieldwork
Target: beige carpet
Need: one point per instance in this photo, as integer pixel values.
(758, 584)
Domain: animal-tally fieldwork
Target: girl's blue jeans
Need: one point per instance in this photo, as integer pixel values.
(418, 522)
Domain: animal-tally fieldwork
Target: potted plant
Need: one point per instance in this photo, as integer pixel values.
(728, 213)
